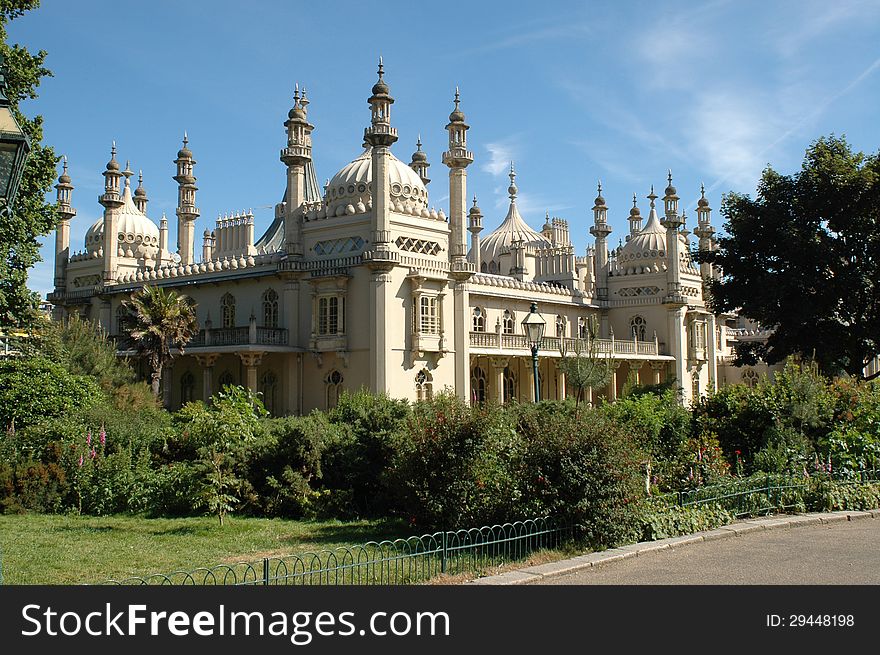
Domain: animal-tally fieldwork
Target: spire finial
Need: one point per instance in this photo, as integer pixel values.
(140, 177)
(475, 200)
(65, 163)
(512, 190)
(702, 190)
(652, 196)
(599, 185)
(381, 68)
(419, 142)
(457, 96)
(127, 172)
(303, 100)
(669, 176)
(634, 200)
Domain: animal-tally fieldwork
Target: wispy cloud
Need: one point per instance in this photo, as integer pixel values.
(501, 153)
(814, 20)
(522, 35)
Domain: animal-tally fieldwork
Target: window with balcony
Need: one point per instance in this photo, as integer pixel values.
(479, 322)
(638, 328)
(270, 308)
(508, 322)
(560, 326)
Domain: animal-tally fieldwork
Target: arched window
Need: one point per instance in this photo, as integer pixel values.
(121, 314)
(424, 385)
(334, 386)
(638, 328)
(696, 385)
(583, 332)
(483, 268)
(187, 388)
(479, 320)
(493, 268)
(509, 385)
(227, 305)
(226, 379)
(270, 308)
(269, 389)
(560, 326)
(508, 323)
(750, 377)
(478, 385)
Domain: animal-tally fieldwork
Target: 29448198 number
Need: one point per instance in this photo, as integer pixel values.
(810, 620)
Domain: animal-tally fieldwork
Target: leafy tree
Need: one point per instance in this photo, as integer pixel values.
(585, 367)
(157, 321)
(32, 216)
(803, 258)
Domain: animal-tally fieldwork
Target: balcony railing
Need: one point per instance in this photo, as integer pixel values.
(240, 336)
(551, 345)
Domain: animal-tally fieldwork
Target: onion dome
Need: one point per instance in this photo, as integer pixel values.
(635, 212)
(137, 235)
(140, 192)
(645, 251)
(475, 211)
(419, 155)
(512, 229)
(353, 185)
(297, 110)
(113, 165)
(457, 116)
(703, 201)
(670, 190)
(64, 178)
(600, 201)
(380, 87)
(184, 152)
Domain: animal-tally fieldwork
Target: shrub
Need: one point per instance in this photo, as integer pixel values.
(453, 465)
(356, 462)
(32, 389)
(659, 520)
(585, 471)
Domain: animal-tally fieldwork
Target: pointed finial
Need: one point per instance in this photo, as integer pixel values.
(600, 187)
(381, 68)
(669, 176)
(652, 196)
(127, 172)
(303, 100)
(140, 177)
(634, 200)
(113, 149)
(512, 190)
(475, 200)
(702, 190)
(296, 93)
(185, 139)
(65, 163)
(457, 96)
(419, 142)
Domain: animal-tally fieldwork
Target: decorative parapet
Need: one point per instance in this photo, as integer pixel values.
(505, 282)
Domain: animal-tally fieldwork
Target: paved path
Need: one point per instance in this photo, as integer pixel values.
(834, 548)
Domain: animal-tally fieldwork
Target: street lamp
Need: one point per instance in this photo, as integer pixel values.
(533, 325)
(14, 147)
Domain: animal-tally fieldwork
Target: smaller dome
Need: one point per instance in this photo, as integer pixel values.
(703, 202)
(184, 152)
(419, 155)
(65, 178)
(297, 113)
(113, 165)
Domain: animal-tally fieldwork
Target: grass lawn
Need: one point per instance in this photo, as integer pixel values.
(46, 549)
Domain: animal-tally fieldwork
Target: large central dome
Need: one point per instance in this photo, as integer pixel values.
(353, 185)
(138, 236)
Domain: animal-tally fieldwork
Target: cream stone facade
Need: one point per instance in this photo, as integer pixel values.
(362, 284)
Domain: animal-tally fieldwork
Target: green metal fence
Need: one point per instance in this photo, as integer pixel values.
(763, 494)
(401, 561)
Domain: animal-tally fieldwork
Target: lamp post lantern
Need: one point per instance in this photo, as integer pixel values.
(533, 325)
(14, 147)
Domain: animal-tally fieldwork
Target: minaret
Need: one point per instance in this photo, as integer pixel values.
(162, 255)
(206, 246)
(600, 230)
(635, 219)
(112, 201)
(295, 156)
(420, 163)
(380, 135)
(704, 232)
(475, 226)
(140, 194)
(672, 222)
(62, 231)
(457, 158)
(187, 212)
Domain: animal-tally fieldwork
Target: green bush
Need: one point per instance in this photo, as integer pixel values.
(659, 520)
(584, 470)
(453, 465)
(355, 463)
(32, 389)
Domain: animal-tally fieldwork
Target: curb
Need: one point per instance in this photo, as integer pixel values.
(534, 574)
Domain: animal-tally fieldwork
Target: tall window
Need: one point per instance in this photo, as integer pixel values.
(187, 388)
(696, 385)
(638, 328)
(478, 385)
(507, 322)
(334, 386)
(429, 319)
(269, 389)
(227, 305)
(750, 377)
(479, 320)
(509, 385)
(270, 309)
(328, 315)
(424, 385)
(583, 332)
(121, 313)
(226, 379)
(560, 326)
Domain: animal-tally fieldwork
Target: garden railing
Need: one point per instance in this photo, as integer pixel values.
(401, 561)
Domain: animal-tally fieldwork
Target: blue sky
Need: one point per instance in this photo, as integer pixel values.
(571, 91)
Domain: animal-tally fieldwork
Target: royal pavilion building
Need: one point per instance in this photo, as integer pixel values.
(363, 284)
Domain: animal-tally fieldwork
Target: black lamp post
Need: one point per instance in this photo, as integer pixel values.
(533, 325)
(14, 148)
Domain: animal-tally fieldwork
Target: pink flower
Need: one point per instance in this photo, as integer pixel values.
(80, 460)
(103, 435)
(92, 454)
(89, 438)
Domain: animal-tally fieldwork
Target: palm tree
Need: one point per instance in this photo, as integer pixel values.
(157, 321)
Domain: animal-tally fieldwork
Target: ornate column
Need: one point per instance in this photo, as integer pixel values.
(560, 383)
(498, 365)
(656, 368)
(207, 362)
(634, 366)
(251, 361)
(612, 385)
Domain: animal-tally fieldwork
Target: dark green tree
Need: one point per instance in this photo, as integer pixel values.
(31, 216)
(803, 259)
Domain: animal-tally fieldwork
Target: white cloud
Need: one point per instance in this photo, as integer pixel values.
(501, 153)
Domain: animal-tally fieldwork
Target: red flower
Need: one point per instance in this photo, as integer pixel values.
(738, 452)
